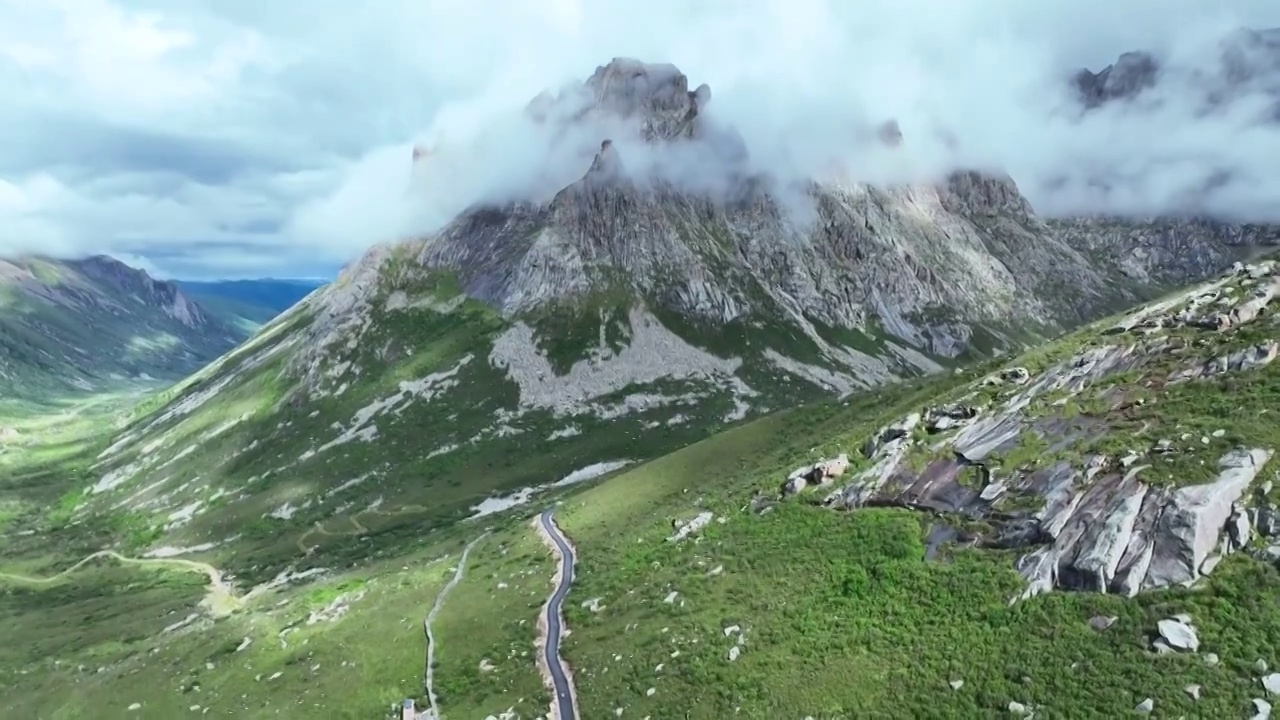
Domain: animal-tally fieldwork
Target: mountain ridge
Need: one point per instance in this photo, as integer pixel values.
(73, 326)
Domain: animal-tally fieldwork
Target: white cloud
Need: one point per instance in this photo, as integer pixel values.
(231, 137)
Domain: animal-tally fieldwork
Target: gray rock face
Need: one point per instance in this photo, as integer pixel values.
(1166, 252)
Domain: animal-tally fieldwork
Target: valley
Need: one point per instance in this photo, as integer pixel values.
(763, 607)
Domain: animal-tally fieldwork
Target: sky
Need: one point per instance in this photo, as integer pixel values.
(241, 138)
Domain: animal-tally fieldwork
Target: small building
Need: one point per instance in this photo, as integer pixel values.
(408, 713)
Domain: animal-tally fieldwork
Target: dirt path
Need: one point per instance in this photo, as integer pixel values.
(220, 599)
(556, 673)
(428, 674)
(357, 528)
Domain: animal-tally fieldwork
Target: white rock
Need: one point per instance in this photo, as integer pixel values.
(1272, 683)
(1017, 708)
(956, 684)
(734, 652)
(671, 597)
(1179, 634)
(136, 706)
(1193, 690)
(1262, 709)
(730, 630)
(1146, 706)
(650, 692)
(1191, 522)
(1211, 659)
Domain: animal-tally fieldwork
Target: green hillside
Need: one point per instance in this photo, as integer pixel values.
(833, 612)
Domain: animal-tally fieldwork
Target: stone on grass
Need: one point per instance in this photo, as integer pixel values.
(1179, 634)
(1102, 622)
(1146, 706)
(1272, 683)
(956, 684)
(1193, 690)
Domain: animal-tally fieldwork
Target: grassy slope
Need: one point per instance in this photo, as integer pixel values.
(841, 614)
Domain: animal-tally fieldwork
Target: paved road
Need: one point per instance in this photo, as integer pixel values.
(564, 697)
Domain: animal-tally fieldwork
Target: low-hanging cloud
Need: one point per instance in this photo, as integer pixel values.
(332, 103)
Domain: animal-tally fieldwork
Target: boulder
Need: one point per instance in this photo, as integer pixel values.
(1179, 634)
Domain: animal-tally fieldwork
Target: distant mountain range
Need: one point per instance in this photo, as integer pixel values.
(70, 326)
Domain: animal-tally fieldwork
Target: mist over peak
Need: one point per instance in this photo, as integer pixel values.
(1182, 131)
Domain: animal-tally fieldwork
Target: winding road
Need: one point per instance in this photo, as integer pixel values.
(565, 696)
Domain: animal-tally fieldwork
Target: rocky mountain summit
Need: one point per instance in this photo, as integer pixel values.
(1127, 457)
(80, 324)
(634, 310)
(1247, 62)
(867, 283)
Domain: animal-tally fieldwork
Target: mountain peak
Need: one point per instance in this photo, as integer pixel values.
(656, 94)
(1247, 62)
(1129, 75)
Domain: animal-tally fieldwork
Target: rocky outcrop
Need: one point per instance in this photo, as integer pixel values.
(1084, 519)
(817, 474)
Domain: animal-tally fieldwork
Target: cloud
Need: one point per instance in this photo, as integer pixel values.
(239, 137)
